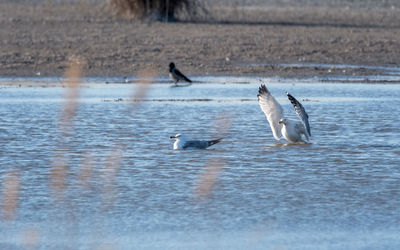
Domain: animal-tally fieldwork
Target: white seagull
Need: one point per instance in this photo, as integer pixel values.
(281, 126)
(182, 143)
(176, 75)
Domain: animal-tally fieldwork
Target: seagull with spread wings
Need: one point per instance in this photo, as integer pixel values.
(292, 131)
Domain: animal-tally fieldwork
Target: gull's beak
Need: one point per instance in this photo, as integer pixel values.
(172, 137)
(280, 122)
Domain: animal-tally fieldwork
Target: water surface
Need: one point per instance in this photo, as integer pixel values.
(109, 177)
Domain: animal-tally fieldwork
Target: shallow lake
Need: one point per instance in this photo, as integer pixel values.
(99, 172)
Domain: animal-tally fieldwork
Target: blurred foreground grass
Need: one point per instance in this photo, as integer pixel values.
(61, 177)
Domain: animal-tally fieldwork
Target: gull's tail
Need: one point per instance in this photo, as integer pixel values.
(210, 143)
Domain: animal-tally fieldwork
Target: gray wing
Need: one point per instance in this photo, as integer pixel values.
(301, 112)
(196, 144)
(272, 110)
(302, 130)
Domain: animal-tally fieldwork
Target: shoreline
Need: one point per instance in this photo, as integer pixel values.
(260, 43)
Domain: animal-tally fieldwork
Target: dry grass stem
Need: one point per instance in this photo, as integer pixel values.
(11, 185)
(109, 174)
(73, 77)
(30, 238)
(208, 178)
(58, 174)
(223, 123)
(212, 169)
(146, 77)
(86, 171)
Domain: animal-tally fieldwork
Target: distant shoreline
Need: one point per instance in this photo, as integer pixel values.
(39, 39)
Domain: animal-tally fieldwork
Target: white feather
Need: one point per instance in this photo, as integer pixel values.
(272, 110)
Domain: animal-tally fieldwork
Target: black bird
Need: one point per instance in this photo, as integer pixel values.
(176, 75)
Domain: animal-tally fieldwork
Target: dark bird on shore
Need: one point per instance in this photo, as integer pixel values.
(182, 143)
(176, 75)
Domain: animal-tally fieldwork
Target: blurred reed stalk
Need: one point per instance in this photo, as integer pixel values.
(109, 175)
(86, 170)
(208, 178)
(222, 123)
(212, 169)
(72, 79)
(146, 77)
(9, 201)
(68, 111)
(114, 159)
(30, 238)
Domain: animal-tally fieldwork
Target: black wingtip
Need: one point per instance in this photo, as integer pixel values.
(262, 90)
(292, 99)
(212, 142)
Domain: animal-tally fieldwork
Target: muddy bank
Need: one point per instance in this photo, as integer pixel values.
(39, 39)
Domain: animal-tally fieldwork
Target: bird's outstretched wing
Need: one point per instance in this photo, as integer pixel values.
(272, 110)
(301, 112)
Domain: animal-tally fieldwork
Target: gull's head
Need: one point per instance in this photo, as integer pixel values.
(171, 65)
(282, 121)
(177, 137)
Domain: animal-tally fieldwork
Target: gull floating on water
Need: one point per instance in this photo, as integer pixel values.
(176, 75)
(281, 126)
(182, 143)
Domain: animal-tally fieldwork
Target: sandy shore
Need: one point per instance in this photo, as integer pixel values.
(41, 38)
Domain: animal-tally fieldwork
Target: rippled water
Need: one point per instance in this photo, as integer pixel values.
(123, 187)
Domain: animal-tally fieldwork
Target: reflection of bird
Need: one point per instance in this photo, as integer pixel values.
(176, 75)
(281, 126)
(182, 143)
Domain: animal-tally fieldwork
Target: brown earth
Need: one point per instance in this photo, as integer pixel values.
(256, 42)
